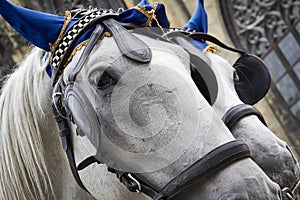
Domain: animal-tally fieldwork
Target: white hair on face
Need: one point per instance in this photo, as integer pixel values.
(23, 170)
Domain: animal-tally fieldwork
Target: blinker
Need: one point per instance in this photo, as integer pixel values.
(254, 79)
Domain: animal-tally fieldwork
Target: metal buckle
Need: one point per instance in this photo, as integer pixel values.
(288, 193)
(134, 181)
(296, 189)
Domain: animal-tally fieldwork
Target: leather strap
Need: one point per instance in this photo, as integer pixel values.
(65, 133)
(65, 46)
(236, 113)
(89, 47)
(86, 162)
(129, 45)
(212, 162)
(205, 37)
(59, 111)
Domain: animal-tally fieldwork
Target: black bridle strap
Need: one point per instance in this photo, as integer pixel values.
(89, 47)
(213, 162)
(65, 133)
(236, 113)
(206, 37)
(60, 112)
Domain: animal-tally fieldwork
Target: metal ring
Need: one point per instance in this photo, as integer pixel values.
(139, 189)
(288, 192)
(296, 189)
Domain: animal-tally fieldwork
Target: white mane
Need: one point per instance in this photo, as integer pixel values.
(23, 171)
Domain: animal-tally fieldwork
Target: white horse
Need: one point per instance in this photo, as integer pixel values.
(33, 165)
(271, 153)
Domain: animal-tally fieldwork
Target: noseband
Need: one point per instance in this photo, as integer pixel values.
(134, 49)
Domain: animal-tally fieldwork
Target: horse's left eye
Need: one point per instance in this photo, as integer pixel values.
(105, 81)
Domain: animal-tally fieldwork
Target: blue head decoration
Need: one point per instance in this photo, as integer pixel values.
(42, 29)
(198, 23)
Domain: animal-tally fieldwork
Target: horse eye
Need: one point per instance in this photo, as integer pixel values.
(105, 81)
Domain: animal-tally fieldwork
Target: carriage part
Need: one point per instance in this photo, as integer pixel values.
(236, 113)
(253, 80)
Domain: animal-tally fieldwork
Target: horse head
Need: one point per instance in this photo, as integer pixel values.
(246, 82)
(131, 96)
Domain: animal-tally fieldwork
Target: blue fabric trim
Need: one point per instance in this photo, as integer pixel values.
(42, 29)
(198, 21)
(38, 28)
(199, 45)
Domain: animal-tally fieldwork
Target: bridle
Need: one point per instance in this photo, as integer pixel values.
(238, 112)
(212, 162)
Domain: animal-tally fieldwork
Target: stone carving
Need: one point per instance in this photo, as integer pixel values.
(256, 24)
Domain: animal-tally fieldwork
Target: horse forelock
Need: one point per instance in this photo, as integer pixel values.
(23, 171)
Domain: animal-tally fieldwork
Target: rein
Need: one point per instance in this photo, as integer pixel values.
(138, 51)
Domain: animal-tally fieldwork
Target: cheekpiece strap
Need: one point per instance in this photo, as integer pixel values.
(236, 113)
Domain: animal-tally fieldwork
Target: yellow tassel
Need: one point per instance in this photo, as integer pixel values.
(212, 49)
(66, 23)
(77, 48)
(150, 14)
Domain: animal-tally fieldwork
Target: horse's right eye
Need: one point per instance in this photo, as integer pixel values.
(105, 81)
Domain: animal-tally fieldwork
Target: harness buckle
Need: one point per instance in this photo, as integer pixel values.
(135, 182)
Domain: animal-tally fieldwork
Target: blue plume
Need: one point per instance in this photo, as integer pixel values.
(198, 21)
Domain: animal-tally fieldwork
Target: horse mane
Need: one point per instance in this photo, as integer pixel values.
(23, 170)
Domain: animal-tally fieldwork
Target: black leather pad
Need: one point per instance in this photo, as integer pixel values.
(253, 80)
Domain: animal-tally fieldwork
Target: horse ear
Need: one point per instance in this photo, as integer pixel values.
(40, 29)
(253, 79)
(198, 21)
